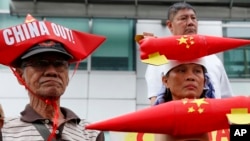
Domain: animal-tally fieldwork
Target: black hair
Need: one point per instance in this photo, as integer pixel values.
(173, 9)
(16, 63)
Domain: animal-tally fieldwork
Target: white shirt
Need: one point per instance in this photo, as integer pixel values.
(215, 70)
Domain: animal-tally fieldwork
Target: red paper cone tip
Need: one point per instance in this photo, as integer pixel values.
(29, 18)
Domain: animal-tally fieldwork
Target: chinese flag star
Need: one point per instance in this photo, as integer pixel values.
(199, 102)
(182, 40)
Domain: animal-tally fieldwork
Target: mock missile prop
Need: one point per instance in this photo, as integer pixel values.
(157, 50)
(180, 118)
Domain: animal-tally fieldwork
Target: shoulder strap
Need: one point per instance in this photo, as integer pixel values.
(43, 130)
(1, 137)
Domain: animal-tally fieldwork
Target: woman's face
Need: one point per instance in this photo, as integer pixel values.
(185, 81)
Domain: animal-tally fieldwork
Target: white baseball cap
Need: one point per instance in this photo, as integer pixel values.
(174, 63)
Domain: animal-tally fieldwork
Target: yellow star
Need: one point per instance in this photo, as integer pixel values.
(199, 101)
(182, 40)
(200, 110)
(191, 42)
(191, 109)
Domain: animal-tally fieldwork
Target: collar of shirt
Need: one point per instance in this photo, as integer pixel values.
(30, 115)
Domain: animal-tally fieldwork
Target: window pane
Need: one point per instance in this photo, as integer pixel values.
(4, 5)
(117, 52)
(72, 23)
(237, 61)
(7, 21)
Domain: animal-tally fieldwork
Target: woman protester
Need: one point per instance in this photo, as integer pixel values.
(184, 79)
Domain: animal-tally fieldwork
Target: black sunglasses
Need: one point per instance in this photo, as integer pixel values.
(40, 64)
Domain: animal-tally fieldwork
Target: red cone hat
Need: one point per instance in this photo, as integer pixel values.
(185, 47)
(180, 118)
(18, 39)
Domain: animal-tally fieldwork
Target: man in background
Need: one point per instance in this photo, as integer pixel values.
(182, 20)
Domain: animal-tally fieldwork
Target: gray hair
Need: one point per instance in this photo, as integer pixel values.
(173, 9)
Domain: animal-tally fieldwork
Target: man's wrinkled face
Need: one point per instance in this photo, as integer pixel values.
(184, 22)
(46, 74)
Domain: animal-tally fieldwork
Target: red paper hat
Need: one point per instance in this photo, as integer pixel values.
(179, 118)
(184, 47)
(18, 39)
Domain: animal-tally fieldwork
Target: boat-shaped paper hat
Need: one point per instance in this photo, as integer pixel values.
(16, 40)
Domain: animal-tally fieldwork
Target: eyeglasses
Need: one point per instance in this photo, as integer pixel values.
(41, 64)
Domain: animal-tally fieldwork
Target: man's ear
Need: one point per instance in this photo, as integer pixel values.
(19, 75)
(164, 80)
(169, 25)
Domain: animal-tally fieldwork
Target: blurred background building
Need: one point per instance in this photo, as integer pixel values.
(111, 81)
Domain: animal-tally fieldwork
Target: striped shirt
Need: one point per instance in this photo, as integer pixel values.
(22, 129)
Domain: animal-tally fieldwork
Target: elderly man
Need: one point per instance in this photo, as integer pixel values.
(41, 64)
